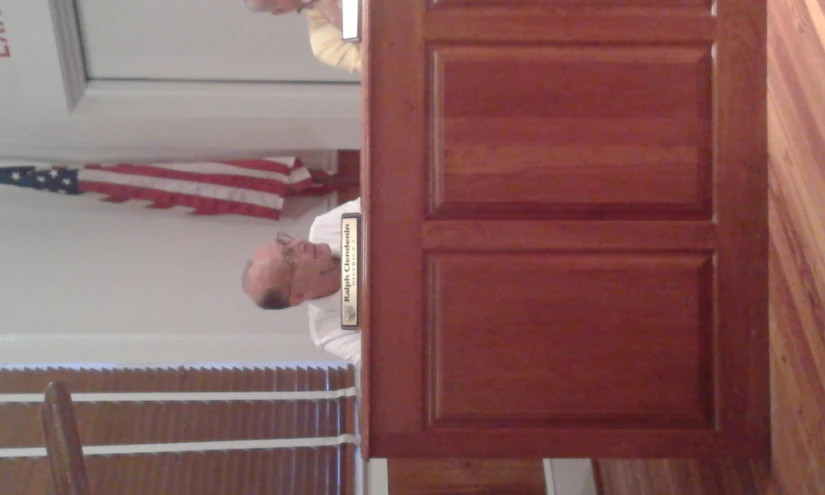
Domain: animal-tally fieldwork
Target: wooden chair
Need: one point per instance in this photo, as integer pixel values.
(63, 447)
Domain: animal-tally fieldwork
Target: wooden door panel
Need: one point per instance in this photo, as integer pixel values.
(573, 82)
(608, 128)
(574, 3)
(572, 177)
(592, 24)
(565, 229)
(569, 339)
(531, 235)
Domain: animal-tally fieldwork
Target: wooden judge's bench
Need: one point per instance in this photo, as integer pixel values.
(564, 240)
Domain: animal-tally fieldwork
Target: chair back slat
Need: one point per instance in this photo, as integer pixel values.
(63, 447)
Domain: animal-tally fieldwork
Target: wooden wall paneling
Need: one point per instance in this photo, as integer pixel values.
(145, 422)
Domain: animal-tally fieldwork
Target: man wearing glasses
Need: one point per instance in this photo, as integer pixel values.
(289, 272)
(325, 31)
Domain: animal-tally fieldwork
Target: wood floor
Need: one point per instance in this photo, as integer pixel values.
(796, 113)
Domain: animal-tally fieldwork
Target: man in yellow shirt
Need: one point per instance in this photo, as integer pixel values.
(325, 21)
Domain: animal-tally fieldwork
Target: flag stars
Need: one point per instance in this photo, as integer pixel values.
(15, 176)
(53, 173)
(40, 178)
(68, 182)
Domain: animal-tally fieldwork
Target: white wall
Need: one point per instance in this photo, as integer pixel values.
(90, 282)
(570, 477)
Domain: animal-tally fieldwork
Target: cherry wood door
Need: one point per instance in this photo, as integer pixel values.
(566, 232)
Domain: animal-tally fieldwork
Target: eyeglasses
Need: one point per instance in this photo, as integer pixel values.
(290, 256)
(285, 241)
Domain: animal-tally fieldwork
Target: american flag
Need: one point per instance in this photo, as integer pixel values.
(254, 188)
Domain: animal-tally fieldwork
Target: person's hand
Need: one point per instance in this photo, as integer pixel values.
(276, 6)
(258, 5)
(330, 10)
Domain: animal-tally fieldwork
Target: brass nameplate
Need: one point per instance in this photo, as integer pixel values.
(350, 276)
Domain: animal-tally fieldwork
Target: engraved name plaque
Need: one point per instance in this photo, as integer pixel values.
(350, 261)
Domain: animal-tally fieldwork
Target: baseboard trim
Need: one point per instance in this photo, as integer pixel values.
(597, 476)
(548, 477)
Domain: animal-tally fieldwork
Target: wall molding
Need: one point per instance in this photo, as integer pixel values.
(158, 448)
(166, 397)
(69, 50)
(39, 350)
(57, 339)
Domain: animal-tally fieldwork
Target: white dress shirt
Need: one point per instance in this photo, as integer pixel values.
(325, 313)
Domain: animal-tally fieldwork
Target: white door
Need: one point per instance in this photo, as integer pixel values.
(116, 79)
(203, 40)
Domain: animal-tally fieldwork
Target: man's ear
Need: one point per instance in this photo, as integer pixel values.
(297, 298)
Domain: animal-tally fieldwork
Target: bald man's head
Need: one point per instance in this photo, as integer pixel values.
(265, 278)
(288, 271)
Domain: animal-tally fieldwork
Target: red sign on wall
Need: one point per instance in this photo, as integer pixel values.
(5, 48)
